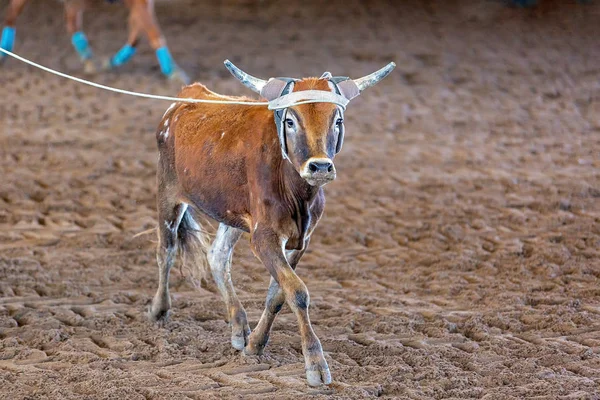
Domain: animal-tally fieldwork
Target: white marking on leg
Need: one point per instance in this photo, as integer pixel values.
(219, 258)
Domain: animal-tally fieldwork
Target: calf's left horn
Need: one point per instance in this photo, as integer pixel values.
(247, 80)
(371, 79)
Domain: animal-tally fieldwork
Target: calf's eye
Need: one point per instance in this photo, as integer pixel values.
(289, 123)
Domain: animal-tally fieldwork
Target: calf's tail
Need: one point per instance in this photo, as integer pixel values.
(194, 243)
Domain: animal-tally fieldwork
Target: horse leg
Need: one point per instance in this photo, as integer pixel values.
(142, 15)
(128, 50)
(74, 16)
(7, 42)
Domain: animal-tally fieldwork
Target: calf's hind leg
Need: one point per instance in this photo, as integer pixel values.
(219, 258)
(169, 218)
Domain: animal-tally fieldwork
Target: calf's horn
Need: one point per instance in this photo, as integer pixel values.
(247, 80)
(371, 79)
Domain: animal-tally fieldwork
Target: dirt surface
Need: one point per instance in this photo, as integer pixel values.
(459, 254)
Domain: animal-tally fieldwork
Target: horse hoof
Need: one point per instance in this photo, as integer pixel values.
(89, 67)
(180, 76)
(105, 64)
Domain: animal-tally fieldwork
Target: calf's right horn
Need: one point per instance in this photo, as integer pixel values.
(247, 80)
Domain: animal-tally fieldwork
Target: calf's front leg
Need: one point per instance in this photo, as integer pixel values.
(275, 299)
(268, 247)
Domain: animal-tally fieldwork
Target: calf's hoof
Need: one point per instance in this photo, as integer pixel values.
(158, 315)
(317, 372)
(255, 345)
(239, 337)
(159, 310)
(252, 349)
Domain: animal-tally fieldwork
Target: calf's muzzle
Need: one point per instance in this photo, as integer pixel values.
(318, 171)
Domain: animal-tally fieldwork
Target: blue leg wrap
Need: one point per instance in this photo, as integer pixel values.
(122, 56)
(8, 39)
(80, 43)
(167, 65)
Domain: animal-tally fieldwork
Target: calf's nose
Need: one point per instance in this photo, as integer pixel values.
(322, 166)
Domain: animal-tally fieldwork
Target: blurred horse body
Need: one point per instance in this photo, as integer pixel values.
(142, 19)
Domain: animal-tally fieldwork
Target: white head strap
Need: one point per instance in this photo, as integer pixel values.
(307, 96)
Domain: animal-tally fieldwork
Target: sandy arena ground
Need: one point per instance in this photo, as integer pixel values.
(459, 255)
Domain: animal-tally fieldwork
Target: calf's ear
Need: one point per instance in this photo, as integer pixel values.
(348, 89)
(273, 89)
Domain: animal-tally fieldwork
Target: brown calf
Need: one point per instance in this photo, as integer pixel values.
(234, 164)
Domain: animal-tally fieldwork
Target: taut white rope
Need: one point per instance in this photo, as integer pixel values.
(145, 95)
